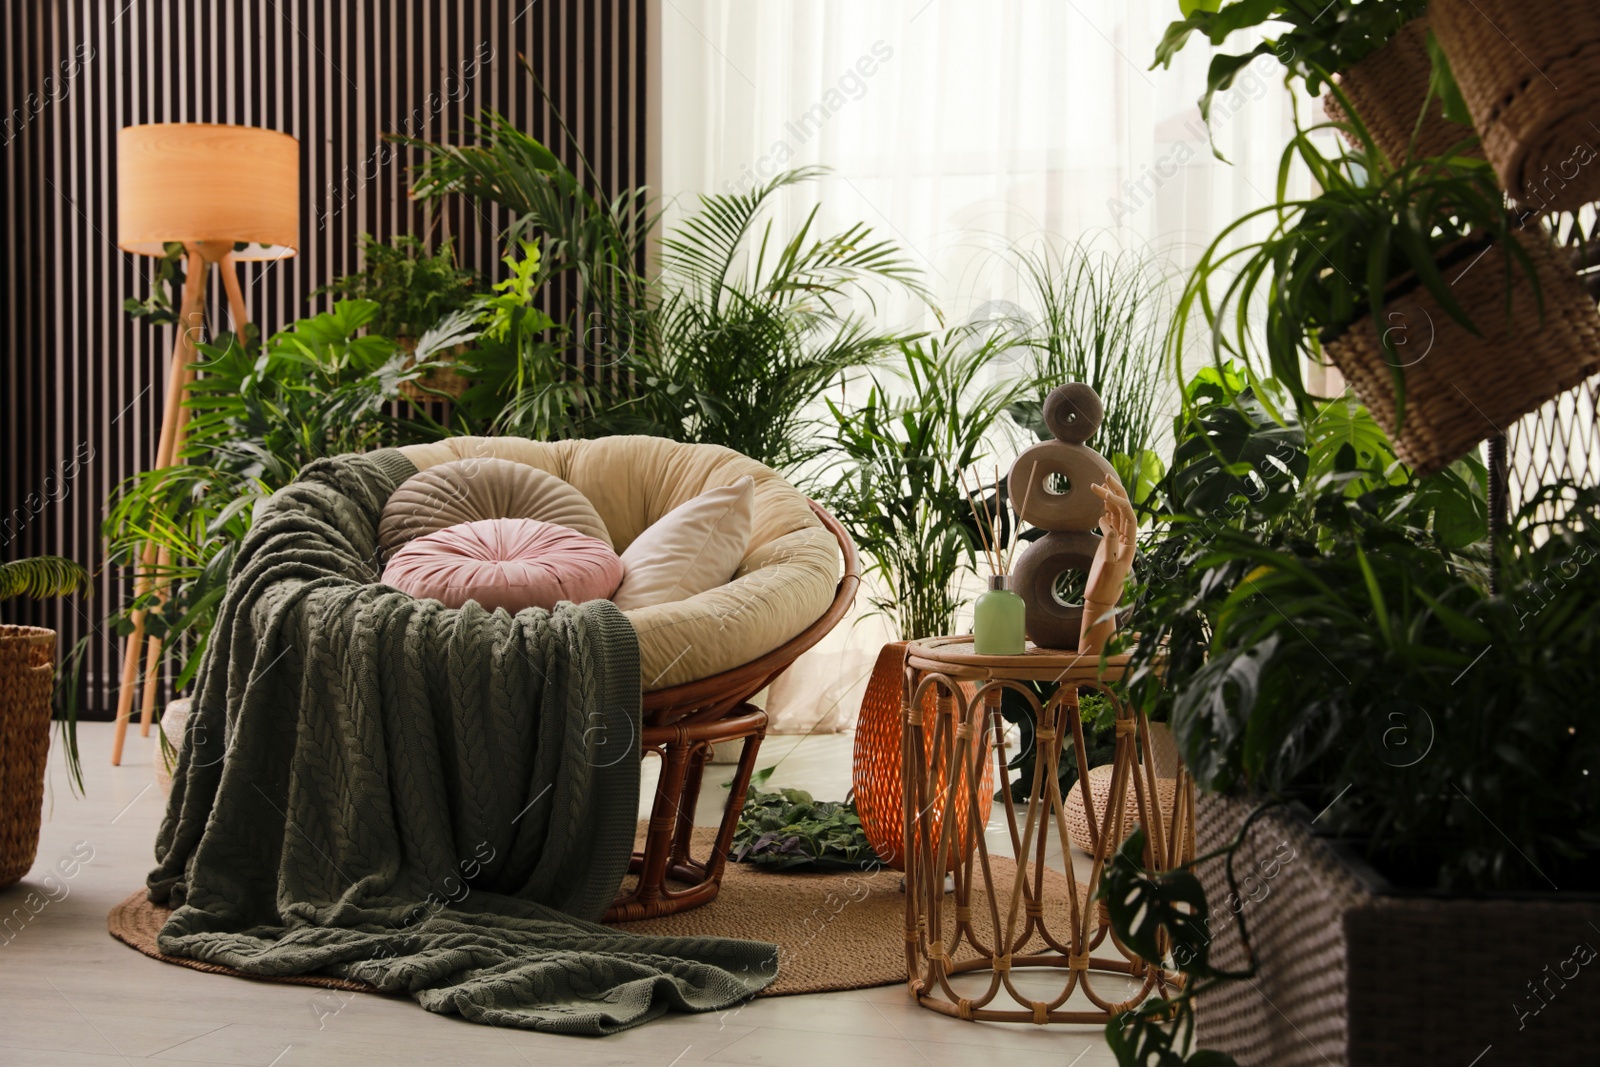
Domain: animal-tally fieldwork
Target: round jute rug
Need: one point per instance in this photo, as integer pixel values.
(833, 931)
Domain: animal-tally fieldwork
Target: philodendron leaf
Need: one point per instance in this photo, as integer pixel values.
(1142, 904)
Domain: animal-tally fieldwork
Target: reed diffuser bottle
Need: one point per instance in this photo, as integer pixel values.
(998, 620)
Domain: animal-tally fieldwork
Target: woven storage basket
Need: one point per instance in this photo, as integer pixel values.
(1100, 788)
(1388, 88)
(876, 773)
(424, 390)
(1350, 974)
(27, 674)
(1530, 75)
(1460, 387)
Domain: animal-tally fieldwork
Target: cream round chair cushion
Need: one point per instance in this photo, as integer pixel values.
(505, 563)
(785, 582)
(468, 490)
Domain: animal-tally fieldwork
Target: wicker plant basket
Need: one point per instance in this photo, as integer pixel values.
(441, 379)
(1353, 973)
(1530, 75)
(27, 673)
(876, 772)
(1460, 387)
(1388, 89)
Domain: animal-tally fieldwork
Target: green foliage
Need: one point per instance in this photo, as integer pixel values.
(170, 272)
(41, 576)
(788, 829)
(900, 454)
(1099, 735)
(1102, 319)
(1315, 40)
(412, 288)
(598, 245)
(257, 415)
(1329, 260)
(744, 330)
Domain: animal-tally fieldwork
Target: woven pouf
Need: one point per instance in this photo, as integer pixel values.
(173, 722)
(27, 674)
(1100, 787)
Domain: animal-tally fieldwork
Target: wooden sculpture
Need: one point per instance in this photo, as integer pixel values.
(1067, 489)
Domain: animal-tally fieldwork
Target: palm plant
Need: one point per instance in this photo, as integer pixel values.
(41, 577)
(743, 333)
(901, 454)
(598, 244)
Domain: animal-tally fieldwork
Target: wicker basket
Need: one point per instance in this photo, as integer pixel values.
(27, 674)
(441, 379)
(1530, 75)
(876, 774)
(1388, 89)
(1353, 974)
(1461, 388)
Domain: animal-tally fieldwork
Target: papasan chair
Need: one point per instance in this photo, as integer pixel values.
(704, 658)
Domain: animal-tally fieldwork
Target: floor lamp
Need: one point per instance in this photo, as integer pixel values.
(226, 193)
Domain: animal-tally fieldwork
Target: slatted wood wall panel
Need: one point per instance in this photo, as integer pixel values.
(82, 382)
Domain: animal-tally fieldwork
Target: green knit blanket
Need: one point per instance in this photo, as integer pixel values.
(438, 802)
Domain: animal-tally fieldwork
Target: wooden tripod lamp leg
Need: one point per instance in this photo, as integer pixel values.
(191, 320)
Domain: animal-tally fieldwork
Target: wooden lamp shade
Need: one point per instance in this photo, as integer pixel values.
(201, 184)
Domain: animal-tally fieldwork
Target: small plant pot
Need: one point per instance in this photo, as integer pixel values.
(27, 675)
(1388, 89)
(440, 379)
(1530, 76)
(1354, 972)
(1462, 387)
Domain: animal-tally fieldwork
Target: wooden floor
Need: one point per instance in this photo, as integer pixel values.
(73, 996)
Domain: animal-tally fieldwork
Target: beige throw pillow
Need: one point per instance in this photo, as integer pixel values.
(694, 547)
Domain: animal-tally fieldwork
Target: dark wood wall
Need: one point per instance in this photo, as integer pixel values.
(81, 383)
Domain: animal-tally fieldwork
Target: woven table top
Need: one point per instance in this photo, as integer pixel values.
(955, 657)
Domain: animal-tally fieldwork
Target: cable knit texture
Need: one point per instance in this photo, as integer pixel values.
(437, 801)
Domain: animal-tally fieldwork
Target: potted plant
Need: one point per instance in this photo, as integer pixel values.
(1377, 273)
(1329, 640)
(900, 490)
(27, 673)
(1528, 75)
(413, 290)
(1383, 70)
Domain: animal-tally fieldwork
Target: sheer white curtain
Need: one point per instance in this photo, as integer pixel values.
(959, 128)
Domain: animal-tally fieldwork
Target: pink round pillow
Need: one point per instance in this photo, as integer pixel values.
(505, 563)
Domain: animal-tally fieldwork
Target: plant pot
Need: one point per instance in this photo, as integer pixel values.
(441, 379)
(27, 675)
(876, 770)
(1353, 973)
(1461, 387)
(1530, 76)
(1388, 89)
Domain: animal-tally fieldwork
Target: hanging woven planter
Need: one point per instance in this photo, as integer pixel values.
(441, 378)
(27, 674)
(1530, 76)
(1462, 387)
(1387, 90)
(877, 775)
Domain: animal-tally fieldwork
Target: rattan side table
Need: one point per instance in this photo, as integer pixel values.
(1029, 927)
